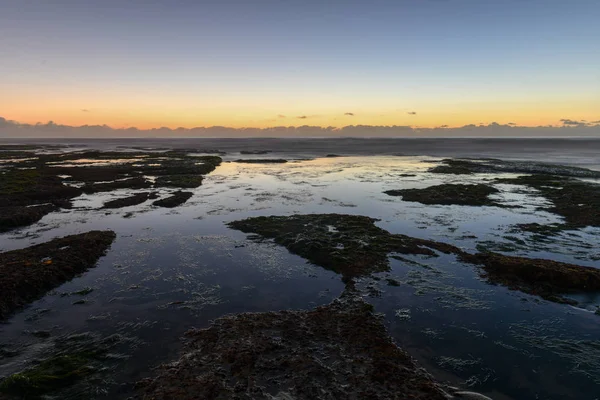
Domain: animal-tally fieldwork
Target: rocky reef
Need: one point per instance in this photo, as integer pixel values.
(545, 278)
(177, 199)
(351, 245)
(471, 166)
(34, 184)
(577, 201)
(29, 273)
(262, 161)
(132, 200)
(448, 194)
(337, 351)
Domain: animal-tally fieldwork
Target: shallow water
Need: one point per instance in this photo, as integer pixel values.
(170, 270)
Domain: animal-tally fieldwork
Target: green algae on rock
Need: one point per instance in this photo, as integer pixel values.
(337, 351)
(69, 366)
(177, 199)
(29, 273)
(50, 375)
(351, 245)
(448, 194)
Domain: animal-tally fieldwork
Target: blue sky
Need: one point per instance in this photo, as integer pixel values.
(243, 63)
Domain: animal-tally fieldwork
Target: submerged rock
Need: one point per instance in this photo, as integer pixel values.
(578, 202)
(29, 273)
(470, 166)
(338, 351)
(17, 216)
(177, 199)
(262, 161)
(447, 194)
(351, 245)
(546, 278)
(130, 183)
(184, 181)
(133, 200)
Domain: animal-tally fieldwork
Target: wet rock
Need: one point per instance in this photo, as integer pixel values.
(546, 278)
(456, 167)
(262, 161)
(392, 282)
(351, 245)
(470, 166)
(177, 199)
(70, 367)
(133, 200)
(578, 202)
(41, 334)
(130, 183)
(18, 216)
(24, 278)
(255, 151)
(179, 181)
(447, 194)
(338, 351)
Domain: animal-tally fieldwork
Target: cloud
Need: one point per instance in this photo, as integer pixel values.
(302, 117)
(570, 122)
(13, 129)
(412, 113)
(281, 116)
(596, 122)
(511, 123)
(85, 110)
(349, 114)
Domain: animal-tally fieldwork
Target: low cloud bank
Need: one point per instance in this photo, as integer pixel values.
(568, 128)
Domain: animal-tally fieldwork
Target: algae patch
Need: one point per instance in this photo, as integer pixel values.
(351, 245)
(448, 194)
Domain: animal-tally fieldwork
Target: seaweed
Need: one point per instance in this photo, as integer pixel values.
(351, 245)
(337, 351)
(177, 199)
(545, 278)
(179, 181)
(132, 200)
(578, 202)
(447, 194)
(29, 273)
(15, 216)
(262, 161)
(129, 183)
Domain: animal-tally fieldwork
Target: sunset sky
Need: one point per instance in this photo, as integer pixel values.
(263, 63)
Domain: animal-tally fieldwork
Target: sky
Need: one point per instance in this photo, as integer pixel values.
(327, 63)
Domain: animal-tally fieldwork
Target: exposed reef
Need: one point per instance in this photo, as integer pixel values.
(337, 351)
(177, 199)
(578, 202)
(129, 183)
(27, 274)
(545, 278)
(179, 181)
(470, 166)
(351, 245)
(447, 194)
(262, 161)
(132, 200)
(51, 181)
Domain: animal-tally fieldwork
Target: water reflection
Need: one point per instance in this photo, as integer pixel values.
(170, 270)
